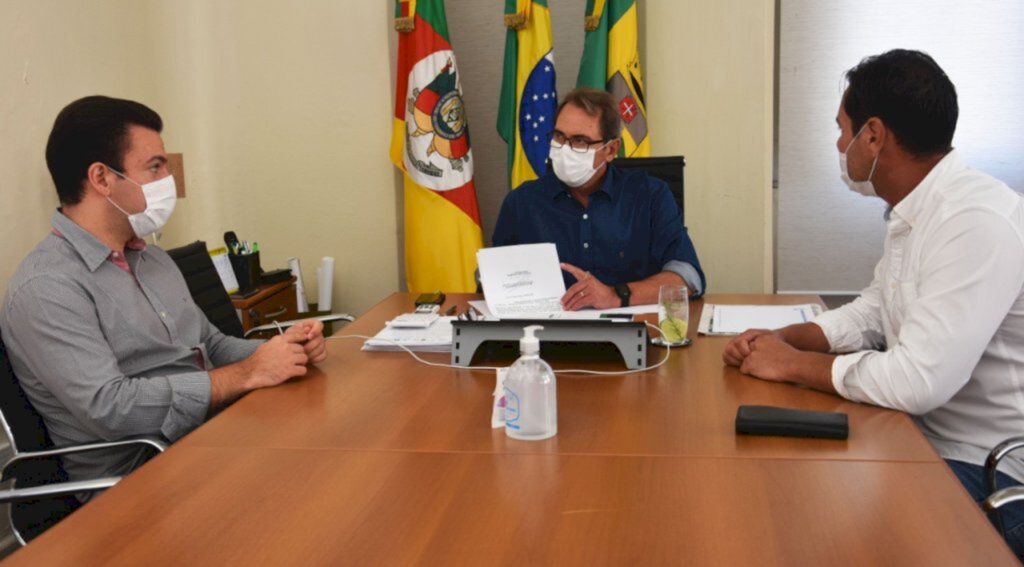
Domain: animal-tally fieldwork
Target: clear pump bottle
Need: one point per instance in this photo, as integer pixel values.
(531, 405)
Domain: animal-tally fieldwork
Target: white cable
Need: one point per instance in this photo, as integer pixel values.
(403, 347)
(668, 350)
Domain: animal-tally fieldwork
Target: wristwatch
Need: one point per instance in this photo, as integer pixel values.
(622, 290)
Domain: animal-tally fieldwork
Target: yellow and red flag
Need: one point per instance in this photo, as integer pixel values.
(611, 62)
(526, 111)
(430, 144)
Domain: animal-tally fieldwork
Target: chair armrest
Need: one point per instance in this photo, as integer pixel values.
(995, 455)
(57, 489)
(152, 442)
(285, 324)
(1002, 497)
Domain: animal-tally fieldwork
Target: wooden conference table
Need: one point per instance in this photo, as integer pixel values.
(374, 459)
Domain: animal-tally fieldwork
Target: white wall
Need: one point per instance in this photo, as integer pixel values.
(282, 112)
(709, 79)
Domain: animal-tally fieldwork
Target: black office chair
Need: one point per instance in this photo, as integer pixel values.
(669, 169)
(206, 288)
(209, 294)
(41, 494)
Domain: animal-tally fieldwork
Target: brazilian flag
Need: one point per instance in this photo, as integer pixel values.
(526, 111)
(611, 62)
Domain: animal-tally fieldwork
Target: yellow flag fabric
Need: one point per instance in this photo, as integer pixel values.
(430, 144)
(611, 61)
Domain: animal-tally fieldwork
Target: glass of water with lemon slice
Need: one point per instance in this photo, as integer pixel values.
(673, 316)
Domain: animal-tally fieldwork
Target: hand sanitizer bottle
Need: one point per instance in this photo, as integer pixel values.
(531, 407)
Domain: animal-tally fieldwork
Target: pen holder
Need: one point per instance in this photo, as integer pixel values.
(247, 270)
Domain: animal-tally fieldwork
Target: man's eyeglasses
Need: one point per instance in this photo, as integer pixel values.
(576, 143)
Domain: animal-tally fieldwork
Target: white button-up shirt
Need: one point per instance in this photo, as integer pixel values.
(939, 333)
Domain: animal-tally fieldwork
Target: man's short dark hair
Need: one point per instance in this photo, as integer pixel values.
(89, 130)
(595, 103)
(910, 93)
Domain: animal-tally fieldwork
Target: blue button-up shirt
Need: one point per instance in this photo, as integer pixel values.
(630, 230)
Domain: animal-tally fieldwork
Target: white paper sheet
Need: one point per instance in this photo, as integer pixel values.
(481, 306)
(300, 290)
(734, 319)
(325, 283)
(521, 282)
(633, 309)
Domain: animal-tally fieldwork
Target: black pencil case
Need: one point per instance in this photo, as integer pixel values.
(771, 420)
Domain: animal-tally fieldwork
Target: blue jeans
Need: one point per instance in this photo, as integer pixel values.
(973, 479)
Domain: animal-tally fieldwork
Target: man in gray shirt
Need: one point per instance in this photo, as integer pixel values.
(100, 327)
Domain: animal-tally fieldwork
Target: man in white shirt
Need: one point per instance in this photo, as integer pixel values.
(939, 333)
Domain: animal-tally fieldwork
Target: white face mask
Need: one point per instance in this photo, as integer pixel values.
(866, 187)
(574, 168)
(161, 196)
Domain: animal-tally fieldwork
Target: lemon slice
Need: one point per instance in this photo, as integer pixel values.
(673, 330)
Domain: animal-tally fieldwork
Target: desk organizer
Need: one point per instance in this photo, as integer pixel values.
(629, 338)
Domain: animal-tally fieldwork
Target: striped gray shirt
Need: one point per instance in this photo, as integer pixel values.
(103, 355)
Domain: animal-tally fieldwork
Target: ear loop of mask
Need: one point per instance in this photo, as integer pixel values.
(111, 201)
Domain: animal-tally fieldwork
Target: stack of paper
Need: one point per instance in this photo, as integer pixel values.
(435, 338)
(734, 319)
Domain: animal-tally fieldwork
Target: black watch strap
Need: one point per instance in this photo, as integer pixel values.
(622, 290)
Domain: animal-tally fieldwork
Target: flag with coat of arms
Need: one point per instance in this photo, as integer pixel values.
(430, 144)
(526, 110)
(611, 62)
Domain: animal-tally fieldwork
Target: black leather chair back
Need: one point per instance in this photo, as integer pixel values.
(668, 169)
(28, 433)
(24, 424)
(206, 288)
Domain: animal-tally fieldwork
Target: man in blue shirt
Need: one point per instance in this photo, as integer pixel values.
(618, 233)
